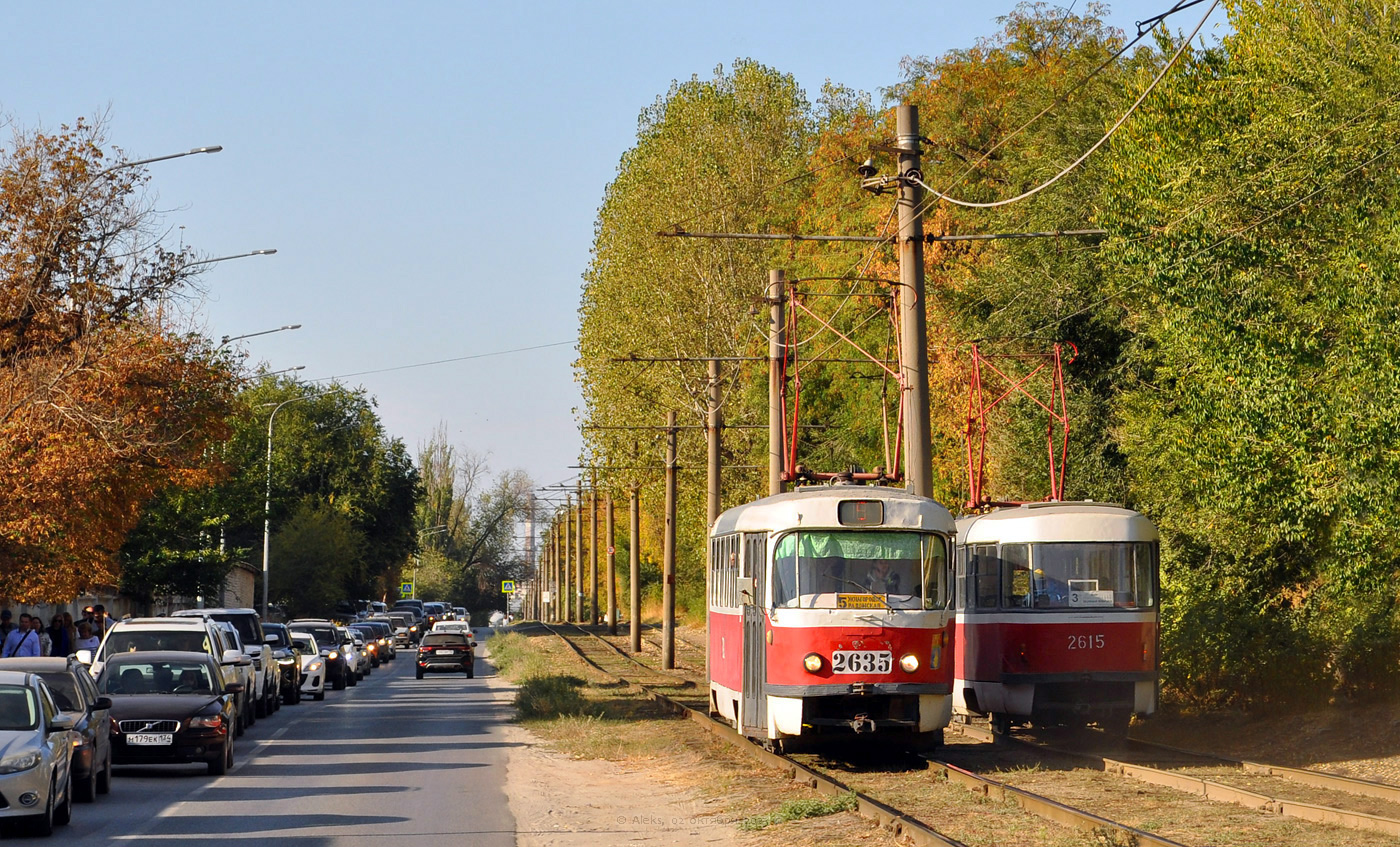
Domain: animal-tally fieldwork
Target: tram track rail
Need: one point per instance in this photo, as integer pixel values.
(903, 826)
(1190, 771)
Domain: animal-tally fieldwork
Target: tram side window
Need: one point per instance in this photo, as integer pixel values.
(984, 576)
(724, 571)
(1016, 576)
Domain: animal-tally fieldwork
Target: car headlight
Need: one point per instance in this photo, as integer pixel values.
(413, 629)
(812, 662)
(206, 721)
(314, 666)
(909, 662)
(287, 661)
(333, 656)
(19, 762)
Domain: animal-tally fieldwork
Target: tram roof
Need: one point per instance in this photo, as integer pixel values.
(1057, 521)
(815, 506)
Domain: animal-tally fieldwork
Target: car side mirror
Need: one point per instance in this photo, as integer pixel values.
(84, 657)
(101, 703)
(61, 723)
(234, 688)
(232, 657)
(272, 641)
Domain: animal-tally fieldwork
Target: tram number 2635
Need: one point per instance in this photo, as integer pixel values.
(861, 661)
(1086, 642)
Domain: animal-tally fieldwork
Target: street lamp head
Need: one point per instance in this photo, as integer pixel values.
(211, 149)
(263, 252)
(292, 326)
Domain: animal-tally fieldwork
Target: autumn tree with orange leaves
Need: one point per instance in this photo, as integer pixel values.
(100, 407)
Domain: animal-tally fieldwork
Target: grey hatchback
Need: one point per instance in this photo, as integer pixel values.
(75, 693)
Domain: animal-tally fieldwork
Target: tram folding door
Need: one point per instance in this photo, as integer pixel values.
(754, 720)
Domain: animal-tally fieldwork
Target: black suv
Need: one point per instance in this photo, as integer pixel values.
(446, 651)
(337, 665)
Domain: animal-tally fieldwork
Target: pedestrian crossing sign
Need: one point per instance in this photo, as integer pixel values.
(508, 586)
(406, 589)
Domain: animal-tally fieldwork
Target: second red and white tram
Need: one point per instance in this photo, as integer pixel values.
(829, 616)
(1057, 615)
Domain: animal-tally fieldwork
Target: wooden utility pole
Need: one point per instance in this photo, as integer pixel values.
(668, 562)
(913, 329)
(566, 596)
(611, 534)
(593, 547)
(634, 565)
(713, 424)
(777, 349)
(578, 554)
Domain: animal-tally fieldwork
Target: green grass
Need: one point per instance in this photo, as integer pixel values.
(550, 697)
(799, 809)
(515, 658)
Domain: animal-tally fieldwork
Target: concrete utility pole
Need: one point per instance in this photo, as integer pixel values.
(593, 546)
(777, 349)
(567, 595)
(668, 561)
(913, 329)
(611, 535)
(713, 425)
(634, 565)
(578, 554)
(531, 567)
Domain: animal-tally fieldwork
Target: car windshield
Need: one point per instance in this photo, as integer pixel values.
(172, 677)
(247, 626)
(141, 641)
(306, 645)
(18, 708)
(64, 689)
(845, 569)
(324, 635)
(444, 639)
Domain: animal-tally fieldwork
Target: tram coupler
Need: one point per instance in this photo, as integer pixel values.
(862, 724)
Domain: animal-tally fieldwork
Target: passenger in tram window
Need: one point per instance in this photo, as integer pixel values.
(1050, 593)
(881, 580)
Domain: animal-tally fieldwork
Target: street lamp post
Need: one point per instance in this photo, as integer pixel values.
(432, 530)
(267, 501)
(229, 339)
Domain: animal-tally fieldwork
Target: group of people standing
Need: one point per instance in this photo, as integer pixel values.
(29, 636)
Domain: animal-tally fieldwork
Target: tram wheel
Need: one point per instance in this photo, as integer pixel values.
(1001, 723)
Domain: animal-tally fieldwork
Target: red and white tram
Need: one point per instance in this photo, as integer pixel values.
(829, 615)
(1057, 615)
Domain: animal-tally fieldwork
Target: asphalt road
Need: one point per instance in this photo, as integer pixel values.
(393, 761)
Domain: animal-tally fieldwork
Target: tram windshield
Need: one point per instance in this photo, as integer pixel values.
(1072, 575)
(844, 569)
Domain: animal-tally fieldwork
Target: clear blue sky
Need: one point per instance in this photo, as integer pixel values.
(429, 172)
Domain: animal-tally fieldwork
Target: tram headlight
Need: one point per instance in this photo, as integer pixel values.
(812, 662)
(909, 662)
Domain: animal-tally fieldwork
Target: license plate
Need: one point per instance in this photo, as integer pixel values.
(445, 652)
(151, 739)
(861, 661)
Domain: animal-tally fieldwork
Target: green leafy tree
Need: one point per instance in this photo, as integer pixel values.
(318, 551)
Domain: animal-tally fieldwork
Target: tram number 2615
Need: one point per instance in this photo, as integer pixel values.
(1086, 642)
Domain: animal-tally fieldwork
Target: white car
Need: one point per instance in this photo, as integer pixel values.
(453, 626)
(36, 754)
(313, 666)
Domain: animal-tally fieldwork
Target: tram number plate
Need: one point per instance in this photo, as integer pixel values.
(861, 661)
(151, 739)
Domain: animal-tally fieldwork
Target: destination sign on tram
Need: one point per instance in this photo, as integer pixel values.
(861, 601)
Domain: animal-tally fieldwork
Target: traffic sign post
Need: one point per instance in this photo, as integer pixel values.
(406, 589)
(508, 586)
